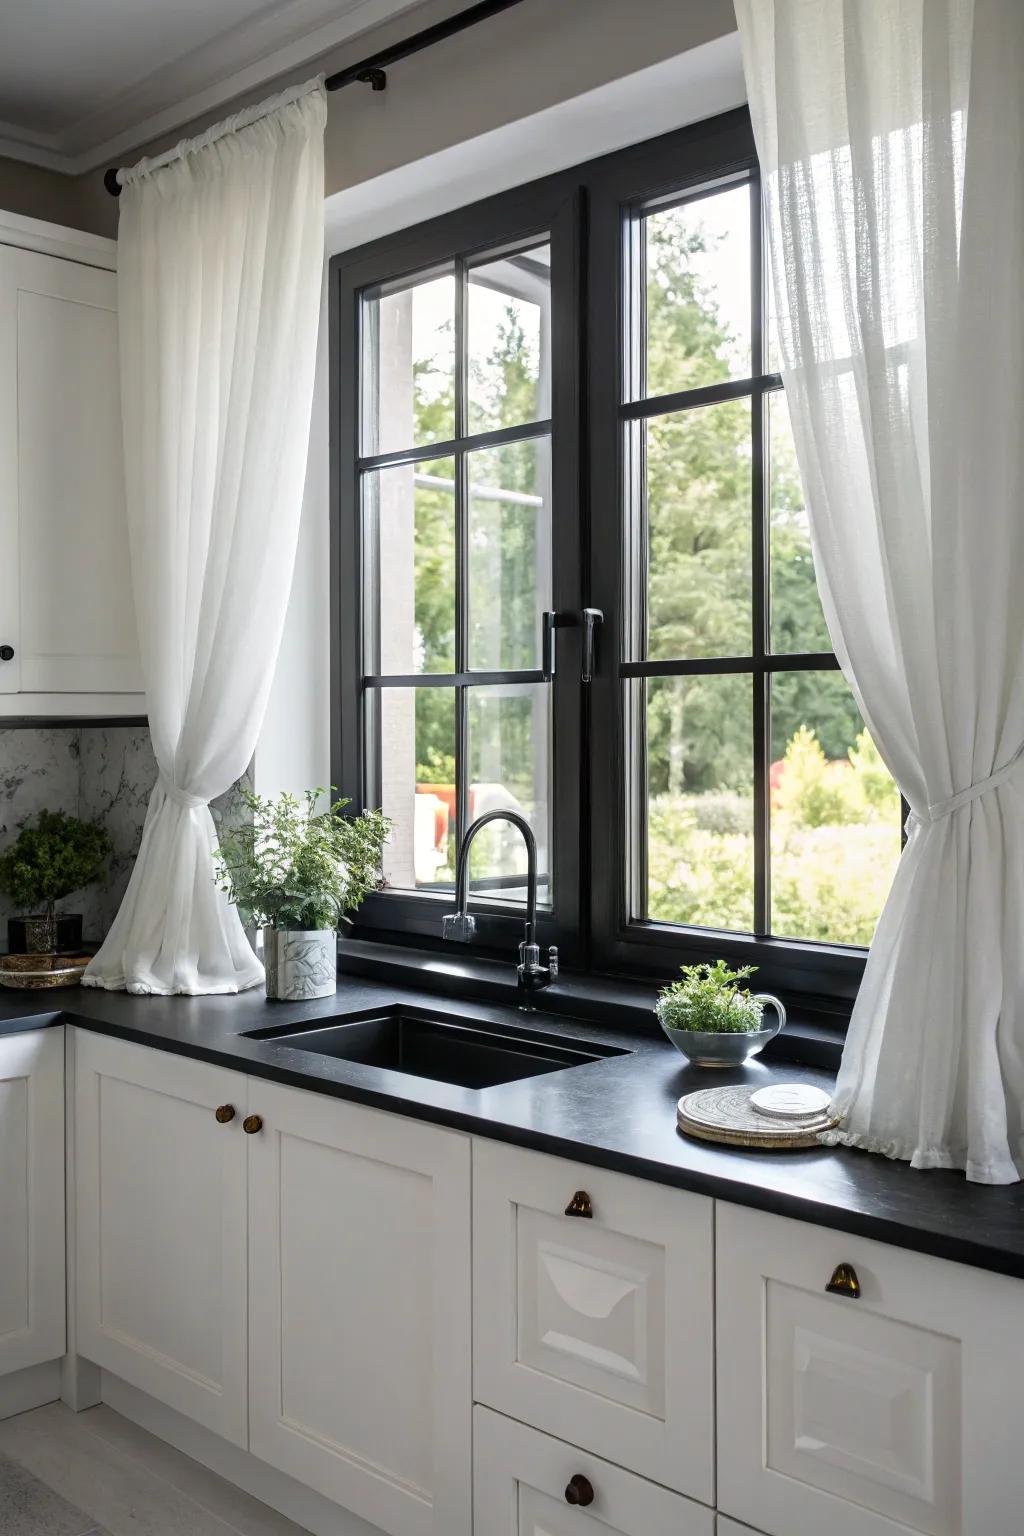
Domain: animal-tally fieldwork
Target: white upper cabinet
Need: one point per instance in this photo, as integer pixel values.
(888, 1406)
(67, 620)
(31, 1198)
(593, 1311)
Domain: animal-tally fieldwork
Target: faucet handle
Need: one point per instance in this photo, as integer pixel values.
(553, 962)
(458, 926)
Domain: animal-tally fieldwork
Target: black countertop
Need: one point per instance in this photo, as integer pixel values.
(615, 1113)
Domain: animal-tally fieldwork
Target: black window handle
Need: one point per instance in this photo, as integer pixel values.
(592, 617)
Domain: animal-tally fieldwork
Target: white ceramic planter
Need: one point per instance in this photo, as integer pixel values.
(300, 964)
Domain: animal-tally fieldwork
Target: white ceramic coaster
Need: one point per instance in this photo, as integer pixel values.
(790, 1101)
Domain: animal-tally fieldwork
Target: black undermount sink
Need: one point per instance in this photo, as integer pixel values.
(466, 1052)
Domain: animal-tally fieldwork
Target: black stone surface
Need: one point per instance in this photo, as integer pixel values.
(617, 1113)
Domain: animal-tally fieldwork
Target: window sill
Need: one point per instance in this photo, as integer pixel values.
(812, 1037)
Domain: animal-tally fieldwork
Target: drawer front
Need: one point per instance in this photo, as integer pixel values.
(864, 1415)
(597, 1327)
(523, 1482)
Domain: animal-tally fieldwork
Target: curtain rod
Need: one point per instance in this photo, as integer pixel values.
(372, 71)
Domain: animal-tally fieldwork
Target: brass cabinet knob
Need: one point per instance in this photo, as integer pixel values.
(579, 1490)
(251, 1124)
(225, 1112)
(844, 1282)
(580, 1205)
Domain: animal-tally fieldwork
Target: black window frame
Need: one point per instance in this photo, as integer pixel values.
(588, 212)
(547, 211)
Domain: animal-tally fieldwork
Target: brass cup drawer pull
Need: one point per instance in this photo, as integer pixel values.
(251, 1124)
(580, 1205)
(844, 1282)
(579, 1490)
(225, 1113)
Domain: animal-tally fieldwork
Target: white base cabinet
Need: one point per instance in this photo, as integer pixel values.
(294, 1275)
(32, 1326)
(161, 1227)
(359, 1309)
(529, 1484)
(891, 1411)
(597, 1328)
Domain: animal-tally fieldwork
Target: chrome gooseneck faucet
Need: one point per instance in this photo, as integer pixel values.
(461, 924)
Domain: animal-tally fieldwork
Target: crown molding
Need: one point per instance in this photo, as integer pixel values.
(95, 141)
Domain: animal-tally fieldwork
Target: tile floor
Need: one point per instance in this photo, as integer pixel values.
(96, 1474)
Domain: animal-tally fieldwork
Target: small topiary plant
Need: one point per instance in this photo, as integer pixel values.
(708, 998)
(53, 855)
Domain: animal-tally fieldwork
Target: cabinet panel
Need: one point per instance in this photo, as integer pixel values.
(598, 1328)
(161, 1201)
(360, 1309)
(521, 1479)
(879, 1413)
(32, 1311)
(63, 520)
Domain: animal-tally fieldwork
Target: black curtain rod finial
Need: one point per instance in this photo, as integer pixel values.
(111, 182)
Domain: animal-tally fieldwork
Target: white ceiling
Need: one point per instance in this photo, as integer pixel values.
(83, 80)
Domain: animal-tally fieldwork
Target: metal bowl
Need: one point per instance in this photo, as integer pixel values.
(703, 1048)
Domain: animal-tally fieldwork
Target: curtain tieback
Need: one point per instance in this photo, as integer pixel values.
(180, 796)
(943, 808)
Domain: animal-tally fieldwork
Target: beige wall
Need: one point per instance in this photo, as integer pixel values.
(519, 62)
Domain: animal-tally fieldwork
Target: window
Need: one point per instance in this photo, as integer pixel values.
(737, 803)
(461, 433)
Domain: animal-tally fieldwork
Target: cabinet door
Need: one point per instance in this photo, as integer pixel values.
(359, 1329)
(62, 514)
(31, 1198)
(523, 1483)
(161, 1203)
(893, 1411)
(597, 1329)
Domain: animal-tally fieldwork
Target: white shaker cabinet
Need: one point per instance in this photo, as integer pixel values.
(359, 1315)
(890, 1405)
(160, 1169)
(31, 1198)
(68, 641)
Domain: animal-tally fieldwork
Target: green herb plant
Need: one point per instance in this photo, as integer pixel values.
(296, 867)
(53, 855)
(709, 998)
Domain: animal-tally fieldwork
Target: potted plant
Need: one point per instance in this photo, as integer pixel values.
(53, 855)
(713, 1019)
(295, 871)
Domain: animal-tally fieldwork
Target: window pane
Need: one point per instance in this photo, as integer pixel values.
(408, 369)
(509, 339)
(510, 769)
(409, 567)
(698, 292)
(700, 805)
(798, 623)
(835, 813)
(410, 735)
(699, 512)
(509, 554)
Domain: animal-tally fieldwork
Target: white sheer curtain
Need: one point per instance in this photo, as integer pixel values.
(891, 139)
(220, 252)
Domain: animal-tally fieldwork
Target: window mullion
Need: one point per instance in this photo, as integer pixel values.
(760, 579)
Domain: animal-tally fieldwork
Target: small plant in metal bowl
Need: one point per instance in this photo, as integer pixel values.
(712, 1019)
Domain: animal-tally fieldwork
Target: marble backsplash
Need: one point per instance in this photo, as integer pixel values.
(101, 773)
